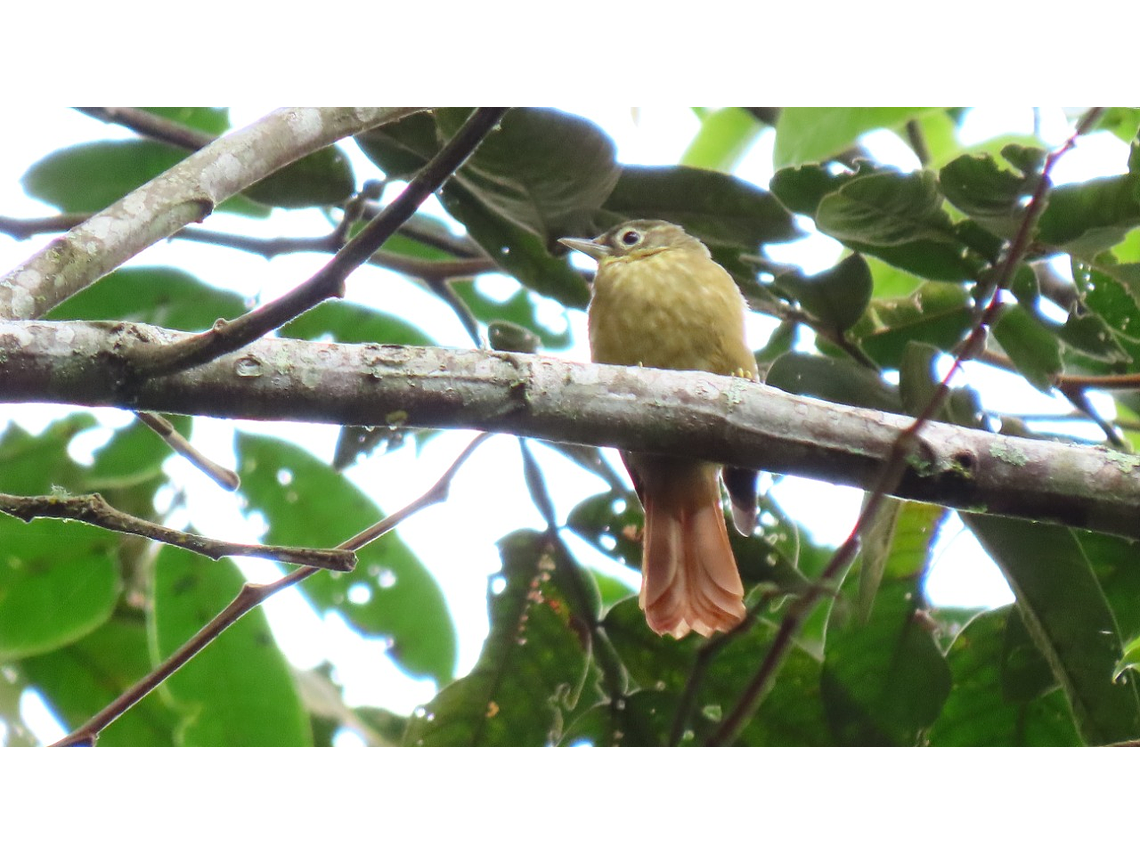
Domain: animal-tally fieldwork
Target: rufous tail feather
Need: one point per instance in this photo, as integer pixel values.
(689, 577)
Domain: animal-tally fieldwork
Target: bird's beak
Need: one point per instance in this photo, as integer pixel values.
(591, 247)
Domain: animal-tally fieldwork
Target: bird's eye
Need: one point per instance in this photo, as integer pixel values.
(630, 237)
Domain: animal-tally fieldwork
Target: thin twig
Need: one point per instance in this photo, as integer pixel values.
(226, 337)
(94, 510)
(151, 126)
(249, 597)
(1119, 382)
(1079, 399)
(270, 247)
(225, 478)
(895, 465)
(442, 289)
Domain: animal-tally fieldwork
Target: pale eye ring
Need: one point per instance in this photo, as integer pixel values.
(630, 237)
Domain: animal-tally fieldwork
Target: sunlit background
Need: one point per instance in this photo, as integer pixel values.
(456, 541)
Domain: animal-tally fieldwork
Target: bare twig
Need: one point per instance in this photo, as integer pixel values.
(152, 126)
(94, 510)
(270, 247)
(1080, 399)
(226, 337)
(249, 597)
(225, 478)
(906, 444)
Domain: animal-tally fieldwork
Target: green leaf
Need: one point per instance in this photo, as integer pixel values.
(321, 178)
(791, 713)
(839, 380)
(978, 713)
(1025, 672)
(516, 250)
(1083, 219)
(134, 455)
(351, 323)
(639, 719)
(153, 295)
(897, 546)
(1113, 559)
(900, 213)
(980, 188)
(1033, 348)
(1129, 660)
(723, 140)
(712, 206)
(1068, 618)
(938, 314)
(801, 188)
(782, 340)
(541, 169)
(210, 120)
(1112, 331)
(1122, 121)
(392, 593)
(810, 134)
(885, 209)
(837, 297)
(532, 666)
(91, 176)
(515, 229)
(610, 523)
(81, 679)
(884, 681)
(520, 309)
(33, 465)
(238, 691)
(890, 281)
(58, 581)
(918, 383)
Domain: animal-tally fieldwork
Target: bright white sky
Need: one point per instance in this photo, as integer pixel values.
(488, 498)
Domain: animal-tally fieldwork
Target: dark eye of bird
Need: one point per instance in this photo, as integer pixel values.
(630, 238)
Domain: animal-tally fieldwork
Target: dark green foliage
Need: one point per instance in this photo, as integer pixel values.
(569, 659)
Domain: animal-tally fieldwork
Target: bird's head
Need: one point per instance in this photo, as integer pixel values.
(636, 239)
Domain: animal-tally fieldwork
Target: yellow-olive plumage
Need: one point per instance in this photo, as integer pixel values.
(659, 300)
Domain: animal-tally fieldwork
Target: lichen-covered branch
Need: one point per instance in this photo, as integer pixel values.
(685, 413)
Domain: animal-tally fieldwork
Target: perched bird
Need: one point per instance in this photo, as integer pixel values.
(660, 301)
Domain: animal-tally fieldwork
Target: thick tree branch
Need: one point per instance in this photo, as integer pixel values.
(731, 421)
(184, 194)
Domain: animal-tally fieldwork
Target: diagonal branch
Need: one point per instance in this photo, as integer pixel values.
(226, 337)
(151, 126)
(248, 598)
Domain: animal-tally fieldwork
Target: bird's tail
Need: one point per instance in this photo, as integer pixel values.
(689, 577)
